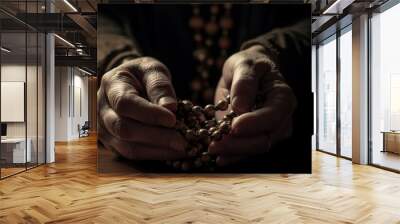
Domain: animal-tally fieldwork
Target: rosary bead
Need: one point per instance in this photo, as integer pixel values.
(190, 135)
(211, 28)
(211, 123)
(187, 105)
(196, 22)
(212, 129)
(205, 157)
(224, 127)
(203, 133)
(214, 9)
(228, 98)
(197, 110)
(216, 135)
(222, 105)
(231, 114)
(226, 23)
(209, 110)
(226, 118)
(199, 127)
(192, 120)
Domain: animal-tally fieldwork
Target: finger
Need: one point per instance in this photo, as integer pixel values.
(221, 93)
(228, 160)
(283, 132)
(138, 151)
(158, 85)
(279, 105)
(123, 97)
(244, 88)
(130, 130)
(237, 146)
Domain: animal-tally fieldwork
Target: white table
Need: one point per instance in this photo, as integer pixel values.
(17, 147)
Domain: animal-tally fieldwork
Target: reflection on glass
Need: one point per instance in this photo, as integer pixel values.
(15, 149)
(41, 99)
(385, 84)
(31, 100)
(22, 90)
(327, 96)
(346, 94)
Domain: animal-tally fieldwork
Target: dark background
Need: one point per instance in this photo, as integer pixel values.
(162, 32)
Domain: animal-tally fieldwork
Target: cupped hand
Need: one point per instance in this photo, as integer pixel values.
(136, 101)
(246, 74)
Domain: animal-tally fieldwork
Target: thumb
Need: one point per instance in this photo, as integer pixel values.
(159, 89)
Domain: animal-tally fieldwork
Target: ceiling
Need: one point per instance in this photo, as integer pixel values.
(76, 22)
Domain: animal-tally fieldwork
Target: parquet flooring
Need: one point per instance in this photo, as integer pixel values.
(70, 191)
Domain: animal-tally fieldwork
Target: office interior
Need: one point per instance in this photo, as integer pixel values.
(48, 82)
(356, 86)
(48, 86)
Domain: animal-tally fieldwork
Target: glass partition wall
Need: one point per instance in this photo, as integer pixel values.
(345, 91)
(385, 89)
(334, 94)
(326, 139)
(22, 99)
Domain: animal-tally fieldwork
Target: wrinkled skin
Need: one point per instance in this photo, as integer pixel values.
(136, 104)
(253, 131)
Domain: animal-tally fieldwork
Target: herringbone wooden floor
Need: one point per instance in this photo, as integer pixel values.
(70, 191)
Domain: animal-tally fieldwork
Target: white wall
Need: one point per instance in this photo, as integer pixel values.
(12, 73)
(70, 84)
(33, 127)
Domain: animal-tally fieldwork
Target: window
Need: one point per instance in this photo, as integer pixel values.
(327, 95)
(385, 88)
(346, 92)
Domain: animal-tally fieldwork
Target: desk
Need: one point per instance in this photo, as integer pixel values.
(13, 150)
(391, 141)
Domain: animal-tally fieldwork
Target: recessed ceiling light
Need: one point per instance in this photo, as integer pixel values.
(84, 71)
(65, 41)
(5, 50)
(70, 5)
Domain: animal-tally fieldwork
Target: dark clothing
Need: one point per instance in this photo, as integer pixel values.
(162, 32)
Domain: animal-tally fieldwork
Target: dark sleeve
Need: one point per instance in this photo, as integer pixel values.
(114, 43)
(284, 44)
(290, 48)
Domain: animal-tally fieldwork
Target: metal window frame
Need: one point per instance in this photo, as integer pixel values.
(44, 74)
(381, 9)
(339, 32)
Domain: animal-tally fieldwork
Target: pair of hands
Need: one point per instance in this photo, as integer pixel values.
(136, 104)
